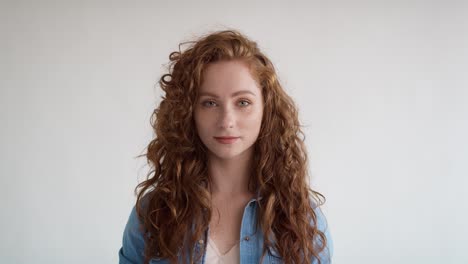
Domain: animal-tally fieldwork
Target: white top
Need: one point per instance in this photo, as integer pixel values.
(213, 256)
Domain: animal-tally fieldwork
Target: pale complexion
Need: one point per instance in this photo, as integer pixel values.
(230, 103)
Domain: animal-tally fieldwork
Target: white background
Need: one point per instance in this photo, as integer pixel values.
(381, 87)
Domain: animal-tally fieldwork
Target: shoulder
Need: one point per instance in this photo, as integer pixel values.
(133, 242)
(322, 225)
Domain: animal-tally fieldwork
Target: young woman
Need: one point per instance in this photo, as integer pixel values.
(229, 170)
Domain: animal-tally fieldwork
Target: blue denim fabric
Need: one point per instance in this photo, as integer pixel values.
(251, 243)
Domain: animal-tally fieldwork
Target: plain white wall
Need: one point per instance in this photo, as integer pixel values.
(381, 87)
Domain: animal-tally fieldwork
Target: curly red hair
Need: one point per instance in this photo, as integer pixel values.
(177, 206)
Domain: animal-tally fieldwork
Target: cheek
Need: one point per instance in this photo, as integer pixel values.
(198, 123)
(254, 119)
(202, 121)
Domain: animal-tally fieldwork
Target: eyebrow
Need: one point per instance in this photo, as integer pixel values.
(232, 95)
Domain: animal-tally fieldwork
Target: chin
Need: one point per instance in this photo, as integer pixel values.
(225, 154)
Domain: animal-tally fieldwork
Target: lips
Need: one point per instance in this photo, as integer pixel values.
(226, 137)
(226, 140)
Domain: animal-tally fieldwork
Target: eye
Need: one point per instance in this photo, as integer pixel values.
(244, 101)
(205, 103)
(210, 103)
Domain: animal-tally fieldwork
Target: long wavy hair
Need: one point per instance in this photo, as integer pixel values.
(176, 208)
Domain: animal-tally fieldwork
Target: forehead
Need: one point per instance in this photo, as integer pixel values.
(228, 77)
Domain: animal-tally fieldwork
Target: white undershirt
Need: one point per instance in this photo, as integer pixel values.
(213, 256)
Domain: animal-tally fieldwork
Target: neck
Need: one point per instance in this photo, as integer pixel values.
(230, 177)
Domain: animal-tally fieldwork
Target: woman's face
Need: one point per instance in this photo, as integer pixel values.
(230, 104)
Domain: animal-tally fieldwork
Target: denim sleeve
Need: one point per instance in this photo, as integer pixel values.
(133, 243)
(322, 224)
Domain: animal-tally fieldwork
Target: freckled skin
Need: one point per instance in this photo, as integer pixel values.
(238, 116)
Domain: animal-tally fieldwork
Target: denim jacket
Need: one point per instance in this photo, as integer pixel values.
(251, 243)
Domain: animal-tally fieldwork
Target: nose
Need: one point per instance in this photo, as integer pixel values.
(226, 118)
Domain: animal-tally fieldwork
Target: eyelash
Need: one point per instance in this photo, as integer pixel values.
(242, 100)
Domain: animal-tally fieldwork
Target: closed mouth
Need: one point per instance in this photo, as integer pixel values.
(226, 137)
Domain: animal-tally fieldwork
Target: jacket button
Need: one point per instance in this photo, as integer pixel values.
(247, 238)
